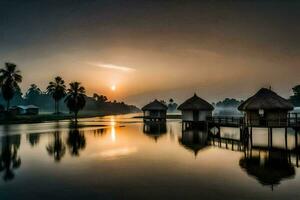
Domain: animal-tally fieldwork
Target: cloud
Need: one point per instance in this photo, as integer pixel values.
(112, 66)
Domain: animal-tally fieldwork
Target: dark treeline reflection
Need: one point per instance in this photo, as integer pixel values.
(56, 147)
(33, 138)
(9, 156)
(76, 141)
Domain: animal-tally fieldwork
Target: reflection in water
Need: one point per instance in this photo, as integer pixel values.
(155, 129)
(57, 147)
(113, 128)
(9, 158)
(124, 158)
(100, 131)
(269, 167)
(76, 141)
(115, 153)
(194, 140)
(33, 138)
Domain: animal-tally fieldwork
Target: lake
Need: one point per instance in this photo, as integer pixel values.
(116, 157)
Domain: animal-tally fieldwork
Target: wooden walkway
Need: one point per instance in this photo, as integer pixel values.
(292, 120)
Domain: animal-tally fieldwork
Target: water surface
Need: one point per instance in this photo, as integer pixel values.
(116, 157)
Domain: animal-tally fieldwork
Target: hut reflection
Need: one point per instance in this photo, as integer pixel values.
(57, 147)
(155, 129)
(9, 158)
(269, 167)
(194, 140)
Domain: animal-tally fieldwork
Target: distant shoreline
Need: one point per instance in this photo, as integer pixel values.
(28, 119)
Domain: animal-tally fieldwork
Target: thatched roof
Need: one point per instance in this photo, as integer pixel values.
(266, 99)
(195, 103)
(155, 105)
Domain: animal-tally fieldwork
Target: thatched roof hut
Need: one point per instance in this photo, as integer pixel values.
(266, 99)
(155, 105)
(266, 108)
(195, 109)
(155, 110)
(196, 103)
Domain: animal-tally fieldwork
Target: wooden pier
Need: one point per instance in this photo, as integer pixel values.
(292, 120)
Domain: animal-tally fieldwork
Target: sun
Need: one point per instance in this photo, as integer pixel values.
(113, 87)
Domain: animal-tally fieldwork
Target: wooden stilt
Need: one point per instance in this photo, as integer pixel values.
(251, 137)
(296, 148)
(285, 137)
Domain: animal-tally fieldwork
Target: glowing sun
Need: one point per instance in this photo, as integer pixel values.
(113, 87)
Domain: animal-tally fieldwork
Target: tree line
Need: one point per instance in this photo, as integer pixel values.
(74, 96)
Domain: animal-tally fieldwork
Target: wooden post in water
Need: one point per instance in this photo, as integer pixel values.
(285, 137)
(296, 147)
(271, 137)
(251, 138)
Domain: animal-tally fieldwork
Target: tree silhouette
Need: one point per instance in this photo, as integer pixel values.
(10, 77)
(9, 158)
(57, 148)
(57, 89)
(99, 98)
(33, 94)
(75, 99)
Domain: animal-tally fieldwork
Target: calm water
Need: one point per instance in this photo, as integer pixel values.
(113, 158)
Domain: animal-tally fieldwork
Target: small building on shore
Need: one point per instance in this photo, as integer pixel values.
(155, 111)
(195, 109)
(266, 108)
(24, 110)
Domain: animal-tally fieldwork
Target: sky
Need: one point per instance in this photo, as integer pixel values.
(155, 48)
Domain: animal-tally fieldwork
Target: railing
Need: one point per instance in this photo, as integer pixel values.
(226, 120)
(292, 120)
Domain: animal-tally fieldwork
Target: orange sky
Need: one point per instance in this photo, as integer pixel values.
(156, 49)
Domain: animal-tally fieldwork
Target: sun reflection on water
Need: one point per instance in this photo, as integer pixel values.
(113, 129)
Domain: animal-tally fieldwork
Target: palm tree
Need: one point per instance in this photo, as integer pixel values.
(75, 99)
(9, 79)
(57, 89)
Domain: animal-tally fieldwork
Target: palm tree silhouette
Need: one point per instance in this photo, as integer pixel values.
(75, 99)
(9, 79)
(57, 89)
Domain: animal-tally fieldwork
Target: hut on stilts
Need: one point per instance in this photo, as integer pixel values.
(195, 112)
(155, 111)
(266, 108)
